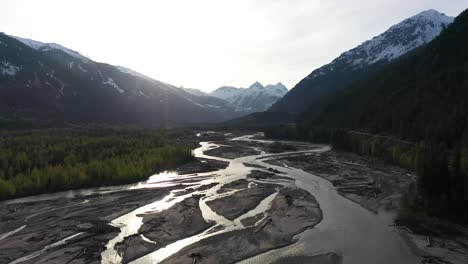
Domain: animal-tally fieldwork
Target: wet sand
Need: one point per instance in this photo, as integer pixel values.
(292, 211)
(201, 165)
(241, 201)
(161, 228)
(233, 150)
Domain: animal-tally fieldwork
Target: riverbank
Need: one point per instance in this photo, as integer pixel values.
(41, 161)
(65, 230)
(376, 185)
(370, 183)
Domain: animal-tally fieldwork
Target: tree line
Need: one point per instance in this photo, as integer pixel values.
(441, 167)
(49, 160)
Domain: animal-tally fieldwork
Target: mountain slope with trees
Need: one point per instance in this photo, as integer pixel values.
(421, 97)
(363, 60)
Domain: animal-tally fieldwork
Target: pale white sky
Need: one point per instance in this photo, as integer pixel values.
(206, 44)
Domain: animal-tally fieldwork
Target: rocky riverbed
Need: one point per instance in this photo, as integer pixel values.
(237, 201)
(182, 220)
(377, 185)
(371, 183)
(66, 230)
(291, 212)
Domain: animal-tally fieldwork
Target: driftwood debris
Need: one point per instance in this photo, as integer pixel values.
(429, 241)
(195, 257)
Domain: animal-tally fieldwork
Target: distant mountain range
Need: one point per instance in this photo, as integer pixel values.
(46, 83)
(363, 60)
(256, 98)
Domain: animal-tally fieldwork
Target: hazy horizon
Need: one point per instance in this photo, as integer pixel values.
(208, 44)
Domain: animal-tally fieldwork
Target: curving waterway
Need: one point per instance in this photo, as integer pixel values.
(347, 229)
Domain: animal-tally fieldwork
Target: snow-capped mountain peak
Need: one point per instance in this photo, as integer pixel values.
(256, 98)
(398, 40)
(278, 89)
(226, 92)
(434, 15)
(131, 72)
(256, 85)
(37, 45)
(354, 64)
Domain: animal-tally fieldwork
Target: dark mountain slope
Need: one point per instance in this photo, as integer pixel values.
(422, 97)
(44, 85)
(423, 94)
(363, 60)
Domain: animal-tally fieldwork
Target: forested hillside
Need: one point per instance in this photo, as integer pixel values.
(413, 112)
(422, 97)
(415, 97)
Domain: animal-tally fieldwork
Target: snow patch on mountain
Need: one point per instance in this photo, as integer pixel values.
(81, 68)
(132, 72)
(6, 68)
(253, 99)
(54, 74)
(37, 45)
(29, 42)
(194, 91)
(190, 100)
(226, 92)
(111, 82)
(278, 89)
(143, 94)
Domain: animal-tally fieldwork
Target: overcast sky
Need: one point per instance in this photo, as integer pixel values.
(206, 44)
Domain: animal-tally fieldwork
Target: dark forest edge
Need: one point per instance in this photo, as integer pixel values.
(50, 160)
(441, 187)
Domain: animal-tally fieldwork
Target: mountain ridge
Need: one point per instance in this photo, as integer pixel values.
(255, 98)
(407, 94)
(363, 60)
(47, 82)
